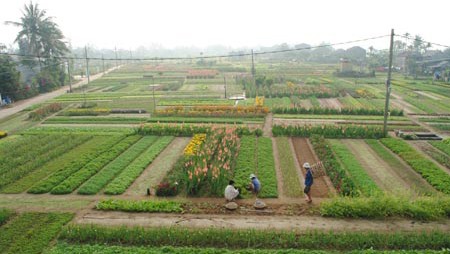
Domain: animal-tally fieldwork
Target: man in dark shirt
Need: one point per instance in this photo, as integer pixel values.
(308, 182)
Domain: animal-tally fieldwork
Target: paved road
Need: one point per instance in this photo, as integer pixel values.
(23, 104)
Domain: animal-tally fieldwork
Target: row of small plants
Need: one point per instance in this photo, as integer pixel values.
(31, 232)
(59, 146)
(210, 168)
(343, 184)
(51, 167)
(255, 239)
(256, 157)
(216, 111)
(185, 130)
(329, 131)
(94, 149)
(85, 112)
(45, 111)
(148, 206)
(351, 165)
(443, 146)
(332, 111)
(439, 179)
(291, 183)
(93, 167)
(120, 184)
(437, 154)
(384, 206)
(102, 178)
(94, 130)
(5, 215)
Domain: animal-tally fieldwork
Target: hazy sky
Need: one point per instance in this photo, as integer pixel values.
(235, 23)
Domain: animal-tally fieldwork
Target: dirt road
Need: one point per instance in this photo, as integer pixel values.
(23, 104)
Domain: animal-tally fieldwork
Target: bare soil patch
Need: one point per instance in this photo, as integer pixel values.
(304, 153)
(330, 103)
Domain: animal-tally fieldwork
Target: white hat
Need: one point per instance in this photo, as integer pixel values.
(306, 165)
(252, 176)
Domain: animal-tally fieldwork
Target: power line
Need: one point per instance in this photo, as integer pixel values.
(207, 57)
(415, 39)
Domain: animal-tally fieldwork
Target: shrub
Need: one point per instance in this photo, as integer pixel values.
(165, 189)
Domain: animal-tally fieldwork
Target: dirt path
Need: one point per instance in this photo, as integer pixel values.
(332, 103)
(304, 154)
(267, 129)
(276, 158)
(297, 165)
(380, 171)
(260, 222)
(421, 146)
(23, 104)
(156, 171)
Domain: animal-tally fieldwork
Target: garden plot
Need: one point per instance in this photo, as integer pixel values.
(333, 103)
(156, 171)
(378, 169)
(433, 154)
(304, 153)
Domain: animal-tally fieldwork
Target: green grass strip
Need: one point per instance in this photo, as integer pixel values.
(362, 180)
(120, 184)
(79, 177)
(266, 169)
(428, 169)
(149, 206)
(67, 153)
(31, 232)
(91, 150)
(250, 238)
(246, 163)
(291, 183)
(102, 178)
(63, 248)
(384, 206)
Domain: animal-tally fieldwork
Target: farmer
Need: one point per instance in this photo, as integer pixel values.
(255, 185)
(308, 182)
(230, 191)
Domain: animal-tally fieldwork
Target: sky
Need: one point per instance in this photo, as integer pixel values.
(234, 23)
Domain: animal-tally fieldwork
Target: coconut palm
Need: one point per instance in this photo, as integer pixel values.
(39, 35)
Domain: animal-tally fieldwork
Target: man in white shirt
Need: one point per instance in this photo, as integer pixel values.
(230, 192)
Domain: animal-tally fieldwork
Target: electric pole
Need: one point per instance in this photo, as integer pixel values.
(103, 63)
(70, 78)
(87, 64)
(253, 74)
(225, 85)
(115, 51)
(388, 84)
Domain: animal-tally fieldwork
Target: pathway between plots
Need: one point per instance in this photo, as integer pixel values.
(262, 222)
(156, 171)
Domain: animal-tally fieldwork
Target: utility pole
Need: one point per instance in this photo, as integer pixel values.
(87, 64)
(115, 51)
(253, 74)
(70, 78)
(154, 101)
(225, 82)
(103, 63)
(388, 84)
(131, 56)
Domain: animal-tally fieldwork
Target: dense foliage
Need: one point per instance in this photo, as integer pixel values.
(329, 131)
(332, 111)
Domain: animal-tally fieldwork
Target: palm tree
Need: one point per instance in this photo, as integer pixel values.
(39, 35)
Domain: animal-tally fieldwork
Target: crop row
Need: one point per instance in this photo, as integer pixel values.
(31, 232)
(339, 177)
(444, 147)
(102, 178)
(428, 169)
(5, 215)
(383, 206)
(185, 130)
(329, 131)
(268, 239)
(205, 111)
(361, 179)
(291, 183)
(332, 111)
(120, 184)
(61, 145)
(94, 166)
(256, 157)
(50, 166)
(85, 112)
(148, 206)
(92, 150)
(97, 131)
(44, 111)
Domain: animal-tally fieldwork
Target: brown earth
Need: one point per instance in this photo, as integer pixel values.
(304, 153)
(333, 103)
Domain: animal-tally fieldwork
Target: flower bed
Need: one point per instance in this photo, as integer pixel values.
(44, 111)
(185, 130)
(329, 131)
(194, 144)
(86, 112)
(429, 171)
(214, 111)
(332, 111)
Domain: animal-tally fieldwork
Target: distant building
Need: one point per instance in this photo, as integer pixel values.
(201, 74)
(346, 65)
